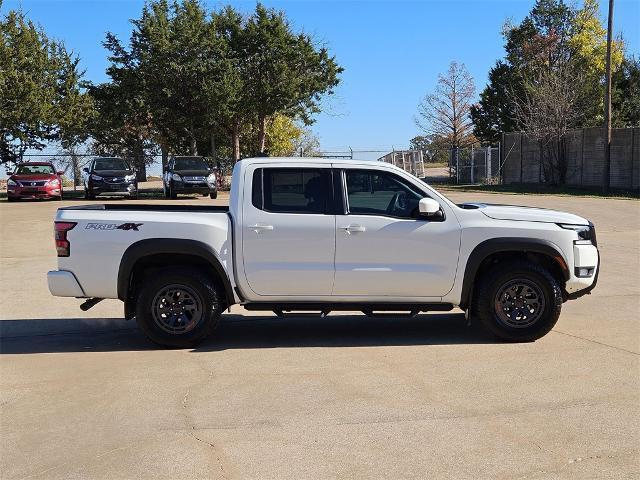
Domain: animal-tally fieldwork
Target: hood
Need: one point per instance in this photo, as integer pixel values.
(528, 214)
(199, 173)
(112, 173)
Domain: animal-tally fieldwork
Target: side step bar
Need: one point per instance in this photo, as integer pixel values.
(394, 310)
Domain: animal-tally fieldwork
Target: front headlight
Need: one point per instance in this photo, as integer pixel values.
(12, 183)
(129, 178)
(211, 179)
(96, 177)
(586, 233)
(53, 181)
(176, 177)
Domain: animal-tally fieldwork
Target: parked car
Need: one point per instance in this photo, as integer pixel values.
(189, 175)
(325, 234)
(34, 180)
(111, 176)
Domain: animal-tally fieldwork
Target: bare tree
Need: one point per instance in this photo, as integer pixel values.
(444, 114)
(552, 104)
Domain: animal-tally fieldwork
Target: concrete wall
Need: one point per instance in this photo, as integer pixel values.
(523, 158)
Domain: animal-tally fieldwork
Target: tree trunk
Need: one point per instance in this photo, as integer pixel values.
(235, 141)
(141, 168)
(194, 143)
(262, 133)
(165, 157)
(212, 146)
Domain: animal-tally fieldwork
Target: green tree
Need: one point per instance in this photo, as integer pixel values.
(493, 114)
(41, 99)
(286, 73)
(626, 94)
(553, 37)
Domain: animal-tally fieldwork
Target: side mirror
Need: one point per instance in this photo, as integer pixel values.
(85, 170)
(428, 207)
(10, 173)
(60, 173)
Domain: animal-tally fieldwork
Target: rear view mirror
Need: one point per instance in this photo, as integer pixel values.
(85, 169)
(428, 207)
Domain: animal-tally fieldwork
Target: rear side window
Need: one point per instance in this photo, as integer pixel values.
(291, 190)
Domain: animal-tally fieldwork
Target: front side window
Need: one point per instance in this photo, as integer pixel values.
(291, 190)
(372, 192)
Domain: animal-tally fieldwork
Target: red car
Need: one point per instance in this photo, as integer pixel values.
(34, 180)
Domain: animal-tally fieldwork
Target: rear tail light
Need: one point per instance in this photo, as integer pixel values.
(60, 232)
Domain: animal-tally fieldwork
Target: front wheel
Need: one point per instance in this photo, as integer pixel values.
(518, 303)
(213, 195)
(178, 307)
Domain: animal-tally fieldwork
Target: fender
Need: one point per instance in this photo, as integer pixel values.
(507, 244)
(154, 246)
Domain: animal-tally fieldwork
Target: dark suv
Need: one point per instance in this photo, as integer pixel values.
(189, 175)
(112, 176)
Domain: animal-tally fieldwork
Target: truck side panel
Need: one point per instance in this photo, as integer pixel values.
(100, 238)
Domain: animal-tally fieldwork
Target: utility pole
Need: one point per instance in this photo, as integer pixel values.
(606, 176)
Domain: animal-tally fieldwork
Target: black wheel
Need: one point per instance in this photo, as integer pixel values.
(133, 196)
(60, 197)
(88, 194)
(520, 302)
(213, 195)
(178, 307)
(12, 199)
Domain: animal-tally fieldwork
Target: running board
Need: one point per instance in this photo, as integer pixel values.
(394, 310)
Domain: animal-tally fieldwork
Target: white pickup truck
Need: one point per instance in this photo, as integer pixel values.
(325, 235)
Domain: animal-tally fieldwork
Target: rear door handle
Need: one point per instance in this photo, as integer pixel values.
(259, 227)
(353, 229)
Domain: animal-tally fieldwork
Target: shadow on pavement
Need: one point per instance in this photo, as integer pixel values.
(236, 331)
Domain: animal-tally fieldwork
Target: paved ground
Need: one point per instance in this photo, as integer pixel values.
(83, 395)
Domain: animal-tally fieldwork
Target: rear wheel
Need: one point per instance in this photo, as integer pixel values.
(12, 199)
(213, 195)
(519, 303)
(178, 307)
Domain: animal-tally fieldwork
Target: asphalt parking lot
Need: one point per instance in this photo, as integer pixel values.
(84, 395)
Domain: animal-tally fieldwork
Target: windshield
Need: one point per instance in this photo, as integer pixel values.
(110, 164)
(190, 163)
(35, 170)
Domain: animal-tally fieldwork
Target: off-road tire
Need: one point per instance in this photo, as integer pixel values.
(209, 296)
(213, 195)
(486, 301)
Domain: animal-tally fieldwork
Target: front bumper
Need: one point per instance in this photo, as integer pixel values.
(33, 192)
(97, 188)
(63, 283)
(585, 257)
(192, 187)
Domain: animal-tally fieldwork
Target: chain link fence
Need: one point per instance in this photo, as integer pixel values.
(475, 165)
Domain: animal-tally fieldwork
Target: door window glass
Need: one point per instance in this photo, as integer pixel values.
(291, 190)
(372, 192)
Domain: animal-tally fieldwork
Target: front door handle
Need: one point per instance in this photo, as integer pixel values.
(259, 227)
(353, 229)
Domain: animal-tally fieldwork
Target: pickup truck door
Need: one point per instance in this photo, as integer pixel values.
(383, 249)
(288, 230)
